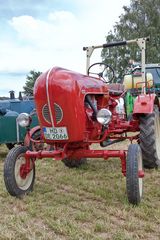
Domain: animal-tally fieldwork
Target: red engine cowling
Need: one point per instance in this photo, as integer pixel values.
(61, 109)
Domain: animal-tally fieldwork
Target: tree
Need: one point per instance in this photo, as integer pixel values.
(140, 19)
(31, 78)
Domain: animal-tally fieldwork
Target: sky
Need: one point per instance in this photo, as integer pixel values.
(39, 34)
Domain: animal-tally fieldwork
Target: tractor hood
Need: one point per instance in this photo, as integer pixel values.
(59, 98)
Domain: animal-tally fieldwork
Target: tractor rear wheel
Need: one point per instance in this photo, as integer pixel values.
(134, 166)
(18, 178)
(150, 139)
(74, 163)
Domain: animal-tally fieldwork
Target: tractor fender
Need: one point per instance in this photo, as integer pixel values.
(144, 103)
(30, 134)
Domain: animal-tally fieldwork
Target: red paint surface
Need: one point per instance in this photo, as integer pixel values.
(68, 90)
(144, 103)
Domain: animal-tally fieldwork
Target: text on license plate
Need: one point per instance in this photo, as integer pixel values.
(55, 133)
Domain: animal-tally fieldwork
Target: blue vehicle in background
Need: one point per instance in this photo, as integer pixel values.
(10, 132)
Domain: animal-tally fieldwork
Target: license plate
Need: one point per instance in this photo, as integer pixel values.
(55, 133)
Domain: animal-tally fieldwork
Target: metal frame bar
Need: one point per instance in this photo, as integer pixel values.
(141, 42)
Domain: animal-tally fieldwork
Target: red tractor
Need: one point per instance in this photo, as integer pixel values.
(76, 111)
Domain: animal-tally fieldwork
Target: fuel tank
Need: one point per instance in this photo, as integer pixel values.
(59, 97)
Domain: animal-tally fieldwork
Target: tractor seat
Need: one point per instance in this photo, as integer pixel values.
(116, 88)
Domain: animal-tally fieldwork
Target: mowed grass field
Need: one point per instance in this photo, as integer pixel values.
(88, 203)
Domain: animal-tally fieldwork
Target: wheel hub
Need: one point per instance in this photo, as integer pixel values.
(24, 170)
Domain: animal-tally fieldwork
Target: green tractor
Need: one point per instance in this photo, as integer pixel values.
(133, 83)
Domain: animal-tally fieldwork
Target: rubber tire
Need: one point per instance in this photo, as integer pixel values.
(74, 163)
(9, 172)
(133, 182)
(150, 139)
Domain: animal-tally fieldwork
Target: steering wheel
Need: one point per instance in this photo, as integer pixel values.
(102, 70)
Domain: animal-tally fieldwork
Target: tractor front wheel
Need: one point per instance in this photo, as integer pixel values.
(74, 163)
(18, 176)
(134, 168)
(150, 139)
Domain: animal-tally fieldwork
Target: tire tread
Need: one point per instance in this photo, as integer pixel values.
(147, 140)
(9, 177)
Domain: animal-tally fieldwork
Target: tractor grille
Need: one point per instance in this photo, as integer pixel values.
(58, 113)
(45, 112)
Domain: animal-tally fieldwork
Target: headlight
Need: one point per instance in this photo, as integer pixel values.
(104, 116)
(24, 119)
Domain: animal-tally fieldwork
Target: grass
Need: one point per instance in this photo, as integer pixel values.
(88, 203)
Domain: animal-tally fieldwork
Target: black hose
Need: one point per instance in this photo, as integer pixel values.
(108, 142)
(89, 101)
